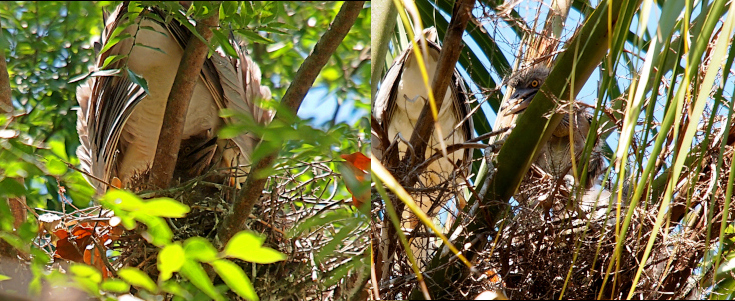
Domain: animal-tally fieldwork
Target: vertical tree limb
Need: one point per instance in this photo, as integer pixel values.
(169, 140)
(303, 80)
(6, 106)
(448, 58)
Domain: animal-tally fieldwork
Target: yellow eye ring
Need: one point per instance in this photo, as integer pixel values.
(534, 83)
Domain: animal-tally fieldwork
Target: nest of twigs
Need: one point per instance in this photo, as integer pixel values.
(286, 202)
(543, 250)
(554, 243)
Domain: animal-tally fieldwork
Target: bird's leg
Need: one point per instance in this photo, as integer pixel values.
(412, 100)
(490, 152)
(394, 144)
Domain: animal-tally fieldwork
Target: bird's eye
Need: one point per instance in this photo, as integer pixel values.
(534, 83)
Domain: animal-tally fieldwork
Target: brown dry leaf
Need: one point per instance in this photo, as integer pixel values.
(93, 257)
(70, 246)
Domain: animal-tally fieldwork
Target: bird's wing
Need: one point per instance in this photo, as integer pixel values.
(105, 104)
(461, 110)
(241, 82)
(385, 100)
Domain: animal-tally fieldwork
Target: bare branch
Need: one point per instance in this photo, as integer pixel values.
(169, 141)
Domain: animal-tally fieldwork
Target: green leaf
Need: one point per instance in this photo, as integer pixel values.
(151, 48)
(230, 131)
(235, 278)
(193, 271)
(78, 188)
(200, 249)
(174, 288)
(115, 286)
(118, 199)
(58, 148)
(137, 278)
(111, 59)
(254, 37)
(166, 207)
(158, 232)
(248, 246)
(170, 260)
(79, 77)
(331, 73)
(138, 80)
(88, 285)
(3, 277)
(11, 187)
(85, 271)
(225, 43)
(108, 72)
(55, 166)
(150, 28)
(115, 37)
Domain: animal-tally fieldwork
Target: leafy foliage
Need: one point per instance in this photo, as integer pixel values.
(49, 47)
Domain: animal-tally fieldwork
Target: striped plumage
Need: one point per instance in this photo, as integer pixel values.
(119, 124)
(397, 106)
(555, 156)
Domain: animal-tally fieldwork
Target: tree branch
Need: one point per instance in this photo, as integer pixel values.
(303, 80)
(442, 78)
(6, 106)
(169, 140)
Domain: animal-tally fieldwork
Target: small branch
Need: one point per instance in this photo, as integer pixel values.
(304, 79)
(16, 203)
(169, 140)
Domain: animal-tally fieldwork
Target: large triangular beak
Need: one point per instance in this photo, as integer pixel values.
(520, 101)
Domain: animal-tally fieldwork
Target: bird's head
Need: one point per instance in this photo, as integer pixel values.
(525, 84)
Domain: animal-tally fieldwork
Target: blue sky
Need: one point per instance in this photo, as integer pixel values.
(319, 106)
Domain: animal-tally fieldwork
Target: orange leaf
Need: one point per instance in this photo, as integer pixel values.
(116, 183)
(70, 246)
(358, 160)
(93, 257)
(358, 164)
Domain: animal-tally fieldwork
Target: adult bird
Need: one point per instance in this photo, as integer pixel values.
(119, 123)
(396, 109)
(555, 157)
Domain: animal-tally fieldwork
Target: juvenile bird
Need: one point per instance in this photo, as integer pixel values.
(397, 106)
(555, 156)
